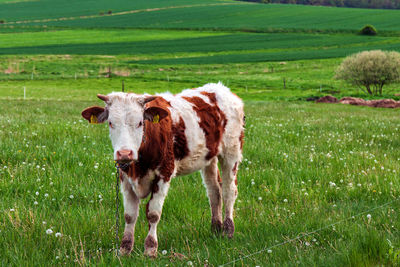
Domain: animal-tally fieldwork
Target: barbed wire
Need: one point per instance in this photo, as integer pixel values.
(309, 233)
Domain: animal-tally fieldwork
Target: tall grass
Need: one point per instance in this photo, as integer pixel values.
(305, 166)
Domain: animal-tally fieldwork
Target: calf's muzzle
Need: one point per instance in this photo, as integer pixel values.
(124, 156)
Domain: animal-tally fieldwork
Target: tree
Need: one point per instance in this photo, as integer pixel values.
(370, 70)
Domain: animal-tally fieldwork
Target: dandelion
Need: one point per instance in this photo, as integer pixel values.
(285, 200)
(190, 263)
(96, 166)
(37, 193)
(35, 203)
(100, 196)
(260, 198)
(49, 231)
(57, 257)
(269, 251)
(369, 216)
(307, 244)
(164, 252)
(80, 164)
(44, 223)
(58, 234)
(46, 195)
(71, 196)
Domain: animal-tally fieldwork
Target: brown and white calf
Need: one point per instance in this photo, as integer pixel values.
(164, 136)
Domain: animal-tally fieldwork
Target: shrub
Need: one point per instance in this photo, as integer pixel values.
(368, 30)
(370, 70)
(2, 21)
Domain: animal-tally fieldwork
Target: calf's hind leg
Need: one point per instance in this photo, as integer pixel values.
(211, 177)
(229, 191)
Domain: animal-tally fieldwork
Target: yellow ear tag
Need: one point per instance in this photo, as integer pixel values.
(93, 119)
(156, 119)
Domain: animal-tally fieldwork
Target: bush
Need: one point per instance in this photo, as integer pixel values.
(370, 70)
(2, 21)
(368, 30)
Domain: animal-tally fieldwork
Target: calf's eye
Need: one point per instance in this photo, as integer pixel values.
(140, 124)
(110, 124)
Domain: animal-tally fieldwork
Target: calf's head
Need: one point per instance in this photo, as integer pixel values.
(126, 115)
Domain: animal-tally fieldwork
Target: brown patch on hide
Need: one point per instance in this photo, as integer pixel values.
(128, 219)
(212, 121)
(216, 225)
(181, 149)
(152, 217)
(229, 227)
(126, 243)
(234, 169)
(121, 176)
(241, 140)
(156, 150)
(150, 242)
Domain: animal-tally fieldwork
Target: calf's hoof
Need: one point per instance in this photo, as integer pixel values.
(150, 247)
(216, 226)
(229, 227)
(126, 245)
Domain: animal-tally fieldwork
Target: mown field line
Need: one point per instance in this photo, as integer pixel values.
(309, 233)
(116, 14)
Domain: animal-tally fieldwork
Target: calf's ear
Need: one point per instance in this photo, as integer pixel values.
(95, 114)
(155, 114)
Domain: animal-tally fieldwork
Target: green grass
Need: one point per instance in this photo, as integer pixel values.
(54, 78)
(188, 47)
(329, 162)
(47, 148)
(191, 14)
(44, 9)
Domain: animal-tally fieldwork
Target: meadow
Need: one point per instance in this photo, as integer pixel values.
(314, 165)
(318, 184)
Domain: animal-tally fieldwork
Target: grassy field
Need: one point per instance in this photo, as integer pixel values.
(315, 165)
(191, 14)
(191, 47)
(308, 168)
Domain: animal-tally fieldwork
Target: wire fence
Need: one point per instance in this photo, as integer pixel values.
(309, 233)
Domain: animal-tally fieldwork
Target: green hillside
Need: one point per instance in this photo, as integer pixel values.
(211, 14)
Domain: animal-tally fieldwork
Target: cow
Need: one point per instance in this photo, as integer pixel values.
(158, 137)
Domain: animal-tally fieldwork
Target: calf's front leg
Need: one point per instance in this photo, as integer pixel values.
(153, 214)
(131, 206)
